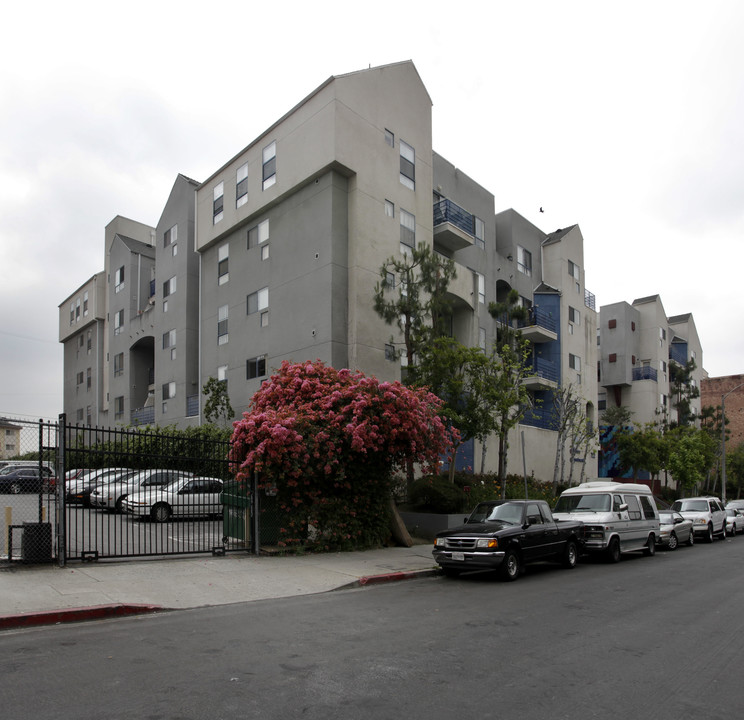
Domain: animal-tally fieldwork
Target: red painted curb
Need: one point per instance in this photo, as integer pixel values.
(53, 617)
(392, 577)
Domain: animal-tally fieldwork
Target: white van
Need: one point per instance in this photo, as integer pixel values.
(617, 517)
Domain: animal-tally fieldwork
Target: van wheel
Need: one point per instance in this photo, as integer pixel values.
(613, 551)
(650, 549)
(570, 555)
(709, 534)
(509, 570)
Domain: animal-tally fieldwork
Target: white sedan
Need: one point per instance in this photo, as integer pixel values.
(185, 497)
(734, 521)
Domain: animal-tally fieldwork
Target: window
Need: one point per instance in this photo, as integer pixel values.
(574, 316)
(169, 343)
(390, 280)
(119, 279)
(481, 287)
(524, 261)
(72, 313)
(407, 165)
(634, 509)
(255, 367)
(602, 401)
(85, 304)
(118, 364)
(241, 185)
(79, 415)
(648, 511)
(90, 341)
(88, 379)
(389, 352)
(169, 390)
(170, 236)
(223, 269)
(88, 416)
(80, 378)
(482, 338)
(480, 233)
(389, 209)
(118, 322)
(218, 202)
(169, 287)
(574, 362)
(407, 230)
(259, 234)
(222, 374)
(257, 301)
(77, 309)
(81, 341)
(268, 171)
(389, 138)
(119, 407)
(574, 271)
(222, 325)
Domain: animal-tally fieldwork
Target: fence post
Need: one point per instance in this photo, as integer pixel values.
(61, 512)
(256, 508)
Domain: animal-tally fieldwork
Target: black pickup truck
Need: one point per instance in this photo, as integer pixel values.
(504, 535)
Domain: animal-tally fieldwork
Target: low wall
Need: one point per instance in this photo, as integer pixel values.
(427, 525)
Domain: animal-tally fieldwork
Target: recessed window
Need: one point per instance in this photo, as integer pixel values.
(169, 287)
(169, 390)
(407, 165)
(480, 233)
(81, 341)
(389, 352)
(80, 378)
(118, 322)
(169, 339)
(574, 362)
(269, 166)
(259, 234)
(218, 202)
(222, 314)
(574, 316)
(389, 209)
(389, 138)
(118, 364)
(573, 270)
(482, 338)
(255, 367)
(88, 378)
(524, 261)
(119, 279)
(72, 313)
(85, 304)
(223, 274)
(407, 230)
(170, 236)
(241, 185)
(481, 287)
(119, 407)
(257, 301)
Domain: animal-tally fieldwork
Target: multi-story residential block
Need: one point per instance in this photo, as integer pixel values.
(276, 255)
(10, 439)
(638, 343)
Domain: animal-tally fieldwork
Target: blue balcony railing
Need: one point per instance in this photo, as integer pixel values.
(143, 416)
(541, 318)
(447, 211)
(645, 373)
(678, 352)
(539, 417)
(544, 369)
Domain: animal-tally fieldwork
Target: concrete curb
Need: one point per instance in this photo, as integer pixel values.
(393, 577)
(79, 614)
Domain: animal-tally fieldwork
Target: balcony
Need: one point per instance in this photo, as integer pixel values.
(143, 416)
(461, 290)
(192, 405)
(678, 352)
(454, 227)
(645, 373)
(539, 417)
(542, 376)
(589, 300)
(540, 327)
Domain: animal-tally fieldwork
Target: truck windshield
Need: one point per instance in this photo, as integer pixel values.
(508, 512)
(583, 503)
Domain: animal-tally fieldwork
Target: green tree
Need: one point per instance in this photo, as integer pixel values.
(641, 449)
(683, 391)
(412, 295)
(217, 407)
(689, 457)
(513, 353)
(618, 415)
(735, 467)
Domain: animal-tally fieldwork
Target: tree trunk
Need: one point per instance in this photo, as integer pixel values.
(397, 527)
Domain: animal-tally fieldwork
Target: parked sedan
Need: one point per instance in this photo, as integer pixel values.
(734, 521)
(674, 529)
(16, 480)
(112, 496)
(185, 497)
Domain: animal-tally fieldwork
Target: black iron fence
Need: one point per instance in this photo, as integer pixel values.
(93, 493)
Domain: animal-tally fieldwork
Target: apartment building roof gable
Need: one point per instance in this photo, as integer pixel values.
(544, 289)
(558, 235)
(136, 246)
(676, 319)
(647, 299)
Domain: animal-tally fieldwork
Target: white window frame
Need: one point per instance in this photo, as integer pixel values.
(241, 185)
(223, 256)
(268, 169)
(218, 202)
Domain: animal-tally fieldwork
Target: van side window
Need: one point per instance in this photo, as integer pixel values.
(617, 501)
(634, 509)
(648, 510)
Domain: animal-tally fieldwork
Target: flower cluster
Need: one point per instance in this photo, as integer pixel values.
(330, 440)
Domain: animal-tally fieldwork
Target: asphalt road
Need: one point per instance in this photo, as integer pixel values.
(656, 637)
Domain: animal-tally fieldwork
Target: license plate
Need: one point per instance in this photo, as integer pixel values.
(458, 556)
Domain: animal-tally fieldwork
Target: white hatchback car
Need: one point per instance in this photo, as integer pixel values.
(707, 515)
(185, 497)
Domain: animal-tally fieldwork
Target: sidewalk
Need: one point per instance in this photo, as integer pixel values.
(44, 594)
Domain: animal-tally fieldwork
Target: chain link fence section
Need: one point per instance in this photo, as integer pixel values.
(28, 491)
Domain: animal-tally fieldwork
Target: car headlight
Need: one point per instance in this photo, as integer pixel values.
(701, 521)
(487, 543)
(439, 542)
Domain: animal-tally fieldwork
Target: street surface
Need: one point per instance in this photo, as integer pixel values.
(652, 638)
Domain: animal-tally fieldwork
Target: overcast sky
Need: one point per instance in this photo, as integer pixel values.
(626, 118)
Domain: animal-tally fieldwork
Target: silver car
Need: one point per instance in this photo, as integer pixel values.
(734, 521)
(110, 496)
(185, 497)
(674, 529)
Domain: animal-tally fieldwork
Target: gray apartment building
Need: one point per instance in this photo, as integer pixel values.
(276, 255)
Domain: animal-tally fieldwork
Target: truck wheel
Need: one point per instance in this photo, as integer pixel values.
(510, 566)
(650, 549)
(709, 534)
(570, 555)
(613, 551)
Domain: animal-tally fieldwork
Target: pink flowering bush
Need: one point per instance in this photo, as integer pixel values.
(330, 441)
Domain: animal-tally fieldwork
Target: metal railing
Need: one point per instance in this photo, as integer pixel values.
(447, 211)
(544, 369)
(590, 300)
(540, 318)
(645, 373)
(143, 416)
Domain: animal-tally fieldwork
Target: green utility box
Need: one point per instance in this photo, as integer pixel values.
(236, 512)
